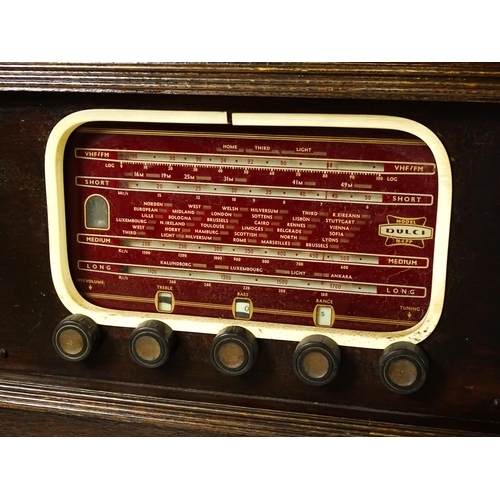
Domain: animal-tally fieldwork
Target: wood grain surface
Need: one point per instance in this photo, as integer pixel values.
(470, 82)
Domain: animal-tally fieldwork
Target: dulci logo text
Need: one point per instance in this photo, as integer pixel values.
(409, 232)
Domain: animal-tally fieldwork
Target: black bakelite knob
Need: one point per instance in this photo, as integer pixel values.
(316, 360)
(234, 350)
(151, 343)
(403, 367)
(75, 337)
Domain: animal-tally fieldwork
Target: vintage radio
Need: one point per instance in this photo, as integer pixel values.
(249, 264)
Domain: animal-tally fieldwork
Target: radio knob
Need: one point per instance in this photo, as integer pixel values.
(75, 337)
(316, 360)
(234, 350)
(403, 367)
(151, 343)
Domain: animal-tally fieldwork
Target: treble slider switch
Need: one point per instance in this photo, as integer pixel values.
(164, 302)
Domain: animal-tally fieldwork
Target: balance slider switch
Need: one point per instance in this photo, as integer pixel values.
(242, 308)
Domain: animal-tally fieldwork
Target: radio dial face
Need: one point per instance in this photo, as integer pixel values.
(334, 230)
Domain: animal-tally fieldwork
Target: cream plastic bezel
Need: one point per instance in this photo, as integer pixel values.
(75, 303)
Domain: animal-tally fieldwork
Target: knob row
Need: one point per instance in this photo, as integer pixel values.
(316, 360)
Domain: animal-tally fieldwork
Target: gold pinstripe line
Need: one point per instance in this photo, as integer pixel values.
(409, 142)
(277, 312)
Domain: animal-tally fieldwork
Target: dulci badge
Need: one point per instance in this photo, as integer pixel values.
(408, 232)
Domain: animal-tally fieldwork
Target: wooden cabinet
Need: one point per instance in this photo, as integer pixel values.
(107, 394)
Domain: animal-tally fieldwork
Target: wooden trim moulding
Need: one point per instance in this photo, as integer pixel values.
(464, 82)
(180, 417)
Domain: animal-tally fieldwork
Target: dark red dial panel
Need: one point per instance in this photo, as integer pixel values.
(329, 231)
